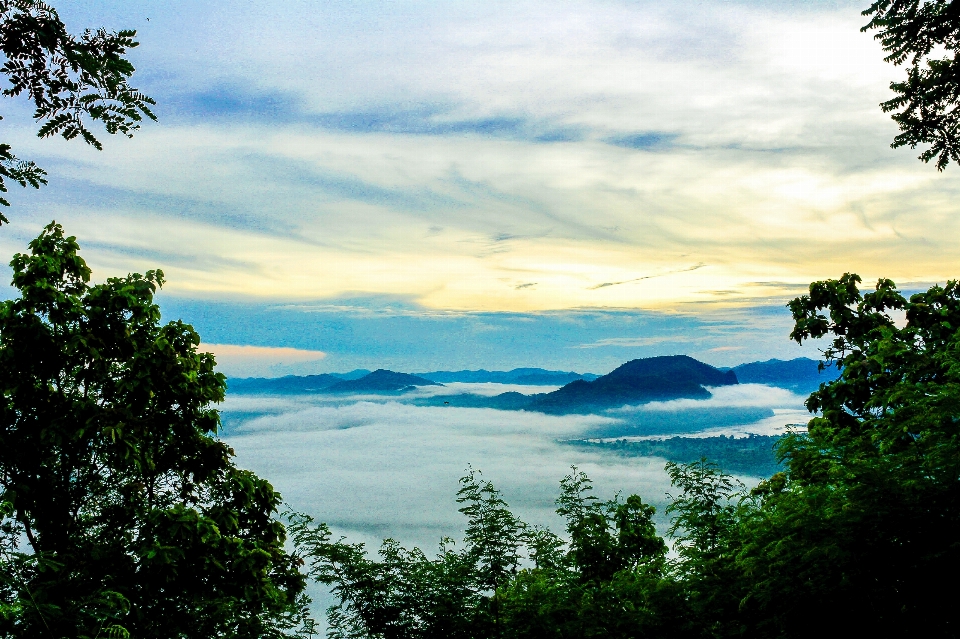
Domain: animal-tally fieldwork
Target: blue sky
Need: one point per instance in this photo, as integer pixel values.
(443, 185)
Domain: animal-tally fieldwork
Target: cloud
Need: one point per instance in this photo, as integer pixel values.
(385, 468)
(397, 334)
(735, 396)
(251, 361)
(390, 469)
(636, 342)
(648, 141)
(313, 161)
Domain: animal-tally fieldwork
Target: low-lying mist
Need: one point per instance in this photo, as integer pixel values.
(375, 467)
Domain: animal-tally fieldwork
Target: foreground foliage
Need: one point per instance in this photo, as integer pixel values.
(72, 81)
(121, 514)
(925, 36)
(857, 536)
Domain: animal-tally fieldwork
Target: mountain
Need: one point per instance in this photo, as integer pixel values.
(354, 374)
(283, 385)
(527, 376)
(358, 380)
(380, 380)
(800, 375)
(637, 381)
(503, 401)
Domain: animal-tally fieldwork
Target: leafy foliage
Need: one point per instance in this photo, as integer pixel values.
(925, 35)
(71, 81)
(121, 513)
(509, 579)
(864, 521)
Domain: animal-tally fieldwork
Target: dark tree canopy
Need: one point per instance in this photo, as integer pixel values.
(120, 510)
(863, 526)
(925, 36)
(72, 81)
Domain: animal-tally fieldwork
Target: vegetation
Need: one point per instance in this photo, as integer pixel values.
(924, 35)
(121, 513)
(72, 81)
(752, 455)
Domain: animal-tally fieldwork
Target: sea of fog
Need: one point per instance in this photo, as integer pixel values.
(375, 466)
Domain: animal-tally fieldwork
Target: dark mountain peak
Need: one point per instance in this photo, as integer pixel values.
(381, 380)
(637, 381)
(679, 367)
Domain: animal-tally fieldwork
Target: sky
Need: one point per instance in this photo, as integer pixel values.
(432, 185)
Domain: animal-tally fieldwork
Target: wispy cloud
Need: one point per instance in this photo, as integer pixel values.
(649, 277)
(298, 158)
(646, 141)
(637, 342)
(249, 361)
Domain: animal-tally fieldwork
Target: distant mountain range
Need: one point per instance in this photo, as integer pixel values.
(523, 376)
(801, 375)
(378, 381)
(636, 382)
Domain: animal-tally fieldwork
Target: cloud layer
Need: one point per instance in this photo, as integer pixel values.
(385, 468)
(500, 156)
(262, 361)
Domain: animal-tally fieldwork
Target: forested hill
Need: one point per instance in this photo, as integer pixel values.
(637, 381)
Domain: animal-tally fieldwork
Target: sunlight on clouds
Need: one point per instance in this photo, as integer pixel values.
(251, 361)
(622, 155)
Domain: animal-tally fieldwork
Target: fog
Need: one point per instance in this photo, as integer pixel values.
(385, 468)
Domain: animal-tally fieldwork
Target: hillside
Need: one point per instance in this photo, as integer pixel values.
(380, 380)
(637, 381)
(355, 381)
(526, 376)
(801, 375)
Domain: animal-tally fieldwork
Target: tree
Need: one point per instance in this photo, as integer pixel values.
(122, 513)
(862, 526)
(924, 35)
(71, 80)
(508, 579)
(705, 523)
